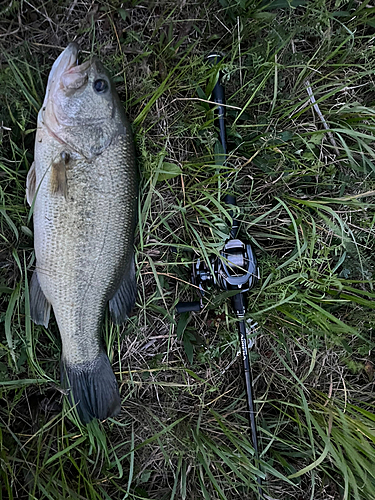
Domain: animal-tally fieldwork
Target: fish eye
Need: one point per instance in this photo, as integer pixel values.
(100, 86)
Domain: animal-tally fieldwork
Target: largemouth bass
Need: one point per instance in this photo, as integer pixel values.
(83, 189)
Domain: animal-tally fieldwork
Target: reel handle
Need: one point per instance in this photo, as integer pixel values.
(183, 307)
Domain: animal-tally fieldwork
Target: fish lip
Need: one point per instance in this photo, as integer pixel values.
(67, 60)
(78, 68)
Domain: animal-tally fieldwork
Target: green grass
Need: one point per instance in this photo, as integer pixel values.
(305, 199)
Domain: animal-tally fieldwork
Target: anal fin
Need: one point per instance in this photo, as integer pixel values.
(40, 308)
(123, 300)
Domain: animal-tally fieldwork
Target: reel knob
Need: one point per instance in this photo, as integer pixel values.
(183, 307)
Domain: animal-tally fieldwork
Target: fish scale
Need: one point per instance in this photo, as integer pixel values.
(83, 230)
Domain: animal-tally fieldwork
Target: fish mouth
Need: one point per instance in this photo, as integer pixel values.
(67, 60)
(66, 73)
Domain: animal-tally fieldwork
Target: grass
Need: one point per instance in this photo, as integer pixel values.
(305, 198)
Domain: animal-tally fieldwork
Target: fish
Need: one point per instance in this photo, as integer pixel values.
(83, 190)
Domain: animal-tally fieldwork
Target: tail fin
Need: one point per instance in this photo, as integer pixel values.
(93, 388)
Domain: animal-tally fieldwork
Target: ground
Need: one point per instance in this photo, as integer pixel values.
(299, 82)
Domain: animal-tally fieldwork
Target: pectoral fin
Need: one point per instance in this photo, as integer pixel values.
(58, 175)
(30, 184)
(123, 300)
(40, 308)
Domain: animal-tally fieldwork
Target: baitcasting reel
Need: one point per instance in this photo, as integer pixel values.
(235, 269)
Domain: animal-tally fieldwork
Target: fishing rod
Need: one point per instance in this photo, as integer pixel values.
(235, 270)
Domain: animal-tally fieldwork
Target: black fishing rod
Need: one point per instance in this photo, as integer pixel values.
(235, 270)
(218, 96)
